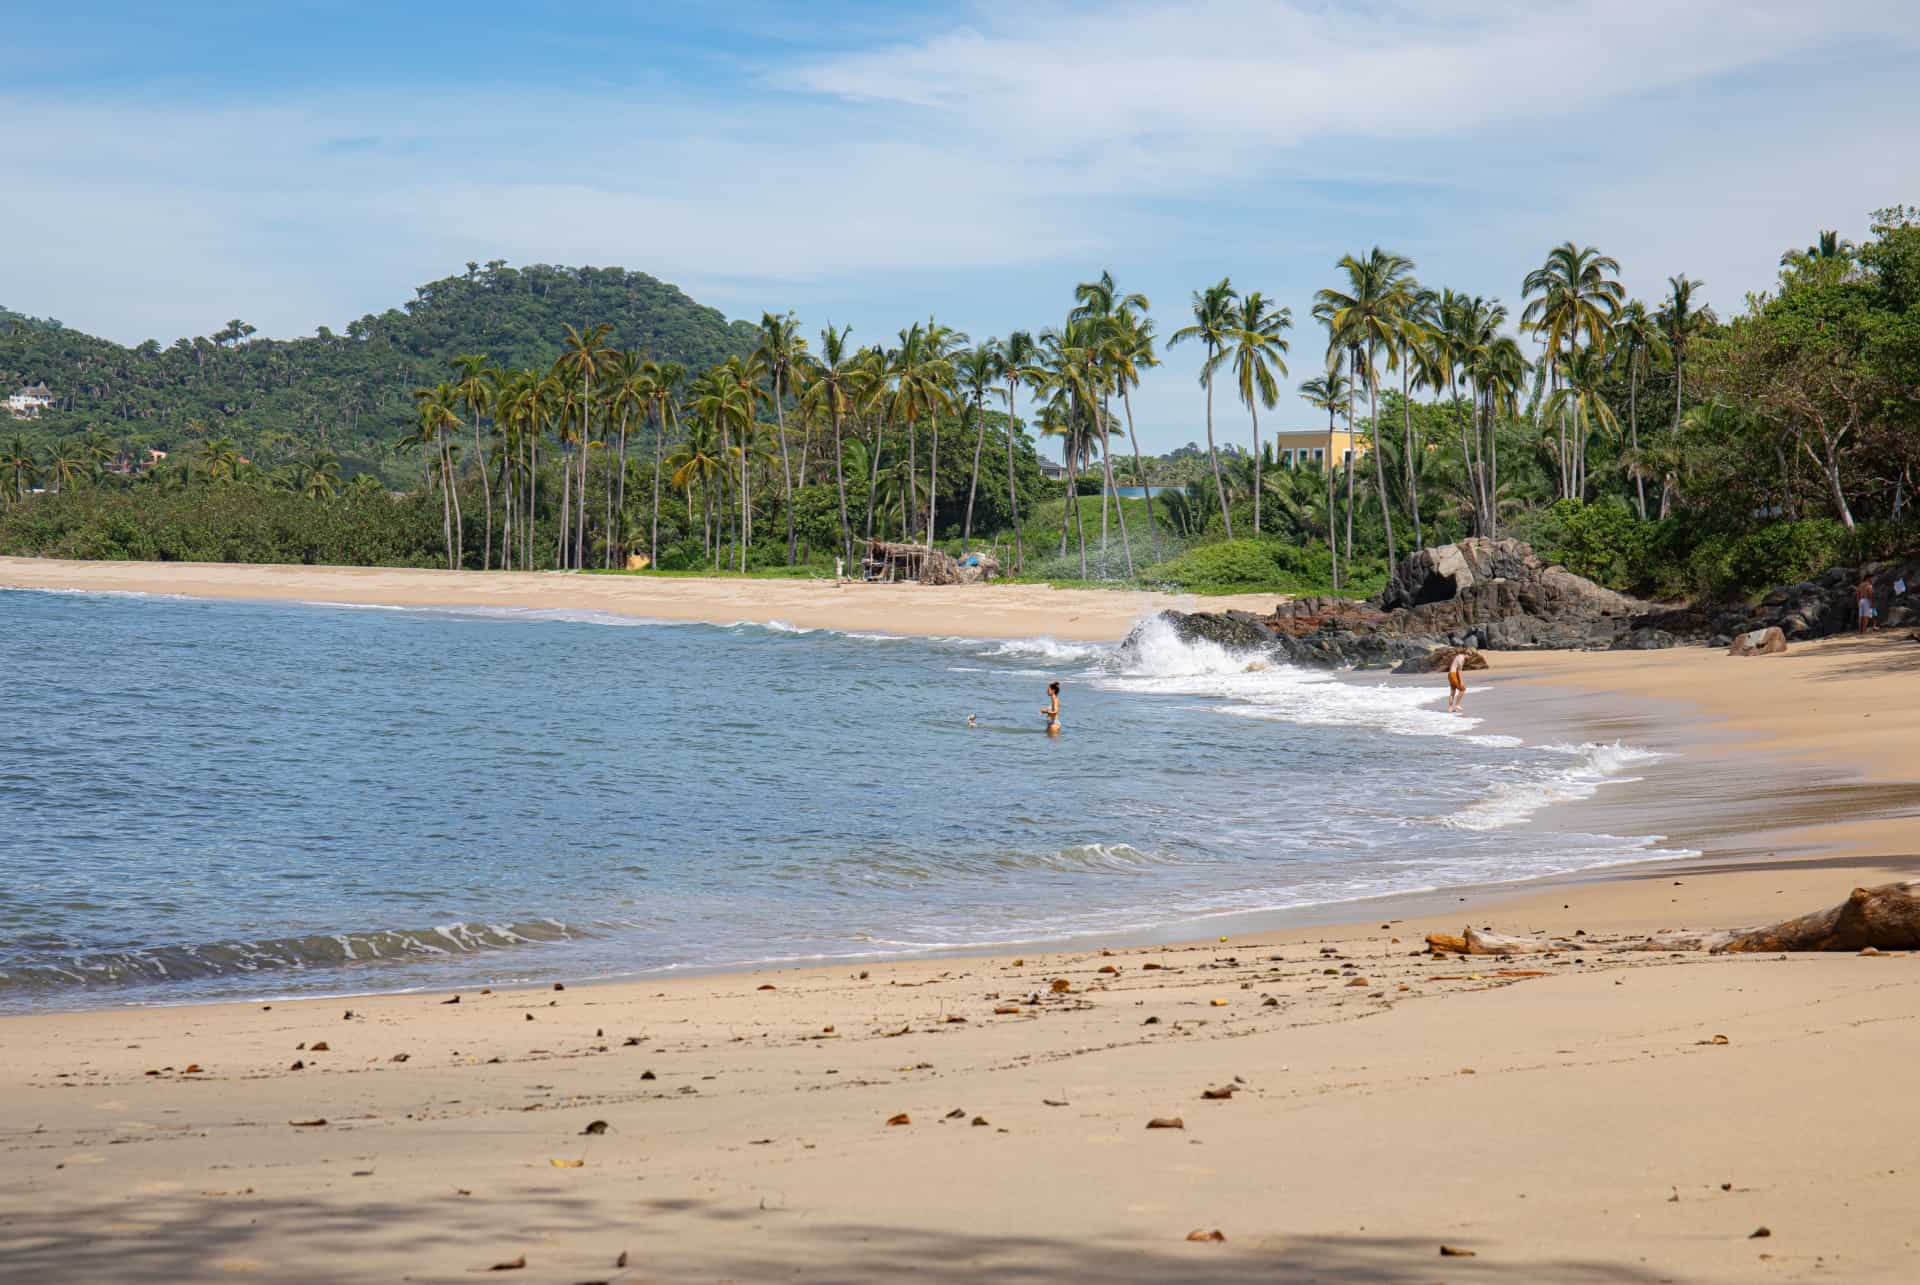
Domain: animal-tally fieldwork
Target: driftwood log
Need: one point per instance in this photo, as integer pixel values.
(1473, 941)
(1886, 918)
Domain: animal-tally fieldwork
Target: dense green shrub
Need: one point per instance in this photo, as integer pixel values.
(1783, 553)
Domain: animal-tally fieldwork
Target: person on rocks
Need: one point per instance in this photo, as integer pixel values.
(1867, 611)
(1456, 682)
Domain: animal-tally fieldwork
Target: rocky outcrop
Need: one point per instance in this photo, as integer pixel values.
(1498, 594)
(1761, 642)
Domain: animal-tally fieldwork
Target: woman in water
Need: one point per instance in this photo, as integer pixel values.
(1052, 711)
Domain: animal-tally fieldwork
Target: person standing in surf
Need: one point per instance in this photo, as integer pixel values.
(1052, 711)
(1456, 682)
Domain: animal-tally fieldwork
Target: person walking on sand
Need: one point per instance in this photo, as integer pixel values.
(1456, 682)
(1867, 612)
(1052, 711)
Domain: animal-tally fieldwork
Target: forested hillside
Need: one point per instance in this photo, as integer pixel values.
(349, 393)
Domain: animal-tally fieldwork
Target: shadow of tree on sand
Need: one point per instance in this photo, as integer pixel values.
(144, 1241)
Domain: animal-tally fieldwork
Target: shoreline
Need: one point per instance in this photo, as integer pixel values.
(1583, 1116)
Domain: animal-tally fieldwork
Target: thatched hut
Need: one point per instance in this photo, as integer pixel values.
(892, 563)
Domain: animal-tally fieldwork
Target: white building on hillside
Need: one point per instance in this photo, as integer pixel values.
(29, 401)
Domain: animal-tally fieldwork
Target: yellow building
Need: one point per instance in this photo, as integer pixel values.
(1309, 446)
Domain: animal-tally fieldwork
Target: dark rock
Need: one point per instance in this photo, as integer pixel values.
(1439, 659)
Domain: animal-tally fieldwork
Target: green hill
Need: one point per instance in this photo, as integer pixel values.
(345, 392)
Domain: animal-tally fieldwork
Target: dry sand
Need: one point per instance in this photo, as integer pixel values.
(967, 611)
(1567, 1119)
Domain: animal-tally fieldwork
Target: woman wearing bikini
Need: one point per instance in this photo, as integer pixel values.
(1052, 711)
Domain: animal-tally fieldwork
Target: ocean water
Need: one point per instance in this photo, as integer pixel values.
(204, 800)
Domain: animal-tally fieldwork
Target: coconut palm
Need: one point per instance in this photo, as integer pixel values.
(1681, 321)
(1258, 348)
(830, 391)
(21, 468)
(976, 369)
(475, 392)
(1418, 360)
(1364, 319)
(587, 353)
(1572, 294)
(1578, 401)
(667, 376)
(1018, 364)
(320, 478)
(631, 395)
(1331, 393)
(782, 350)
(436, 420)
(1213, 325)
(1130, 351)
(1496, 369)
(1638, 340)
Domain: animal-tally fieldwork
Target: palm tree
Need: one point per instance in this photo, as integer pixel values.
(320, 478)
(1575, 296)
(1213, 325)
(435, 420)
(67, 465)
(1579, 402)
(21, 467)
(781, 351)
(1130, 351)
(1829, 245)
(976, 369)
(937, 382)
(831, 389)
(696, 461)
(1641, 344)
(1258, 345)
(1331, 393)
(1364, 318)
(633, 377)
(1496, 369)
(1681, 322)
(666, 377)
(1413, 352)
(475, 391)
(1018, 364)
(587, 352)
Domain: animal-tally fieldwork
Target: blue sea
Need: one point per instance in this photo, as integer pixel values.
(212, 800)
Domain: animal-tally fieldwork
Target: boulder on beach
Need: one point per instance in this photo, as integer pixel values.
(1771, 641)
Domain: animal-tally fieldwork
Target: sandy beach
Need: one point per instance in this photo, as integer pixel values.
(971, 611)
(1594, 1115)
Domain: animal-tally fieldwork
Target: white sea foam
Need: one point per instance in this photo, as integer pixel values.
(1524, 794)
(1049, 649)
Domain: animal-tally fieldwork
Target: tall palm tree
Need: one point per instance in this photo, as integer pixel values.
(1130, 351)
(976, 369)
(631, 395)
(1101, 304)
(1638, 339)
(1018, 364)
(21, 466)
(475, 392)
(1578, 401)
(1681, 321)
(1364, 318)
(830, 389)
(1213, 325)
(1331, 393)
(938, 383)
(1414, 354)
(586, 353)
(1496, 369)
(1258, 347)
(1575, 292)
(666, 379)
(320, 478)
(782, 349)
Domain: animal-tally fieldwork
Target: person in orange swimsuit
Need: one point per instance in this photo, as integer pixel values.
(1456, 682)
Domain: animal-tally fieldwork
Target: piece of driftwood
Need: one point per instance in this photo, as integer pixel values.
(1886, 918)
(1759, 642)
(1475, 941)
(1673, 941)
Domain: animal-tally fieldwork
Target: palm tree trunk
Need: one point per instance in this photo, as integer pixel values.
(1379, 462)
(840, 485)
(973, 482)
(1013, 494)
(1493, 472)
(1213, 455)
(1106, 462)
(933, 469)
(566, 510)
(1633, 440)
(1333, 520)
(459, 524)
(659, 450)
(1139, 476)
(533, 489)
(1353, 384)
(1413, 486)
(1253, 409)
(486, 492)
(873, 481)
(907, 510)
(1079, 514)
(1072, 495)
(786, 475)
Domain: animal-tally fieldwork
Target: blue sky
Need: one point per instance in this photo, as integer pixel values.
(299, 164)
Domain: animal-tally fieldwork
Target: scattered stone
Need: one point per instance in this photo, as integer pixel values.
(1060, 986)
(902, 1118)
(1166, 1122)
(1221, 1094)
(594, 1129)
(648, 1075)
(320, 1046)
(1203, 1235)
(1760, 1233)
(979, 1122)
(1454, 1251)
